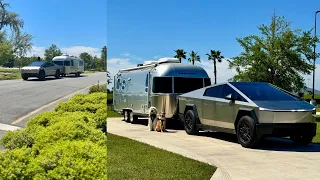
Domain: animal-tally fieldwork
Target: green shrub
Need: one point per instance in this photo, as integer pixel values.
(70, 160)
(14, 163)
(98, 88)
(78, 98)
(68, 131)
(68, 107)
(17, 139)
(61, 160)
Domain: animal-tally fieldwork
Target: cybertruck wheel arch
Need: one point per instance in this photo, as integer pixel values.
(194, 108)
(246, 112)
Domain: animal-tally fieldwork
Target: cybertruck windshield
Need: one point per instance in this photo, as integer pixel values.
(263, 92)
(36, 63)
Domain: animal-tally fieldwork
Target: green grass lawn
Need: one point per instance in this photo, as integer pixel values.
(111, 113)
(9, 76)
(130, 159)
(89, 72)
(9, 70)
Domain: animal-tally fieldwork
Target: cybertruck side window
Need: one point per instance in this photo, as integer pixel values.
(184, 85)
(162, 85)
(207, 82)
(226, 90)
(213, 91)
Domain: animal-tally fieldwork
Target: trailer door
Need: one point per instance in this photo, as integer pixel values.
(147, 91)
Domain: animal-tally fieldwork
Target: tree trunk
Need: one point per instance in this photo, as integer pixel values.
(215, 71)
(192, 62)
(180, 60)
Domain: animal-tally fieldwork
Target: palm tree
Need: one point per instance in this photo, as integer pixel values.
(180, 54)
(215, 56)
(194, 57)
(10, 19)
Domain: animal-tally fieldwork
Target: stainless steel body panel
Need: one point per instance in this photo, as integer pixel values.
(221, 112)
(133, 89)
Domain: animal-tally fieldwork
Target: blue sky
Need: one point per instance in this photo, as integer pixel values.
(144, 30)
(71, 25)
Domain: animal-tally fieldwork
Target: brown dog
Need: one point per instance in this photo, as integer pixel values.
(160, 123)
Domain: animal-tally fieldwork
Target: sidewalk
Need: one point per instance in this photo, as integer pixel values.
(276, 159)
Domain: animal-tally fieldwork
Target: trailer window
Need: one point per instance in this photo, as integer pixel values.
(80, 63)
(147, 80)
(60, 63)
(118, 83)
(71, 62)
(184, 85)
(162, 85)
(66, 63)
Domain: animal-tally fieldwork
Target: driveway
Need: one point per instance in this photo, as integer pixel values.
(275, 159)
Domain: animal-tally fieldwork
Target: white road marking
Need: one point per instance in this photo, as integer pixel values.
(47, 105)
(7, 127)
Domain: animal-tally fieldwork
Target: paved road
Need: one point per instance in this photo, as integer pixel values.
(18, 97)
(275, 159)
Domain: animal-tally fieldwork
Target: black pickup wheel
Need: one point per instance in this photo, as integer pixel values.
(190, 124)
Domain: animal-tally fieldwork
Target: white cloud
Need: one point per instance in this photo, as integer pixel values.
(73, 50)
(223, 71)
(77, 50)
(115, 64)
(39, 51)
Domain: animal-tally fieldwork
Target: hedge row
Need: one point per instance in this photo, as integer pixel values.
(67, 143)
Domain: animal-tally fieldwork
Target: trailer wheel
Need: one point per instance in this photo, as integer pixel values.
(126, 116)
(133, 118)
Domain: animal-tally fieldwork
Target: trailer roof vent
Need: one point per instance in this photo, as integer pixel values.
(150, 62)
(168, 60)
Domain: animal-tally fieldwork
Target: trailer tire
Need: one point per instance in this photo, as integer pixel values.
(126, 116)
(133, 118)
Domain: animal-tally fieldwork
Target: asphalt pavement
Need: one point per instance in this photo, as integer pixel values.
(18, 97)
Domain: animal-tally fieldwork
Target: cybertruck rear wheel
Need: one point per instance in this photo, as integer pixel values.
(190, 123)
(301, 139)
(42, 75)
(246, 132)
(57, 75)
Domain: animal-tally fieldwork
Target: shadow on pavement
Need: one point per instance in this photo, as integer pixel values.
(270, 144)
(73, 76)
(47, 79)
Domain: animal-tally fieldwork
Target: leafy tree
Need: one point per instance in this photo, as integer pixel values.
(215, 56)
(21, 44)
(194, 57)
(5, 53)
(88, 60)
(278, 56)
(52, 52)
(180, 54)
(104, 57)
(10, 19)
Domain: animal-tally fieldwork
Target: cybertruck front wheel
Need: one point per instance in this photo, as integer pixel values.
(246, 132)
(190, 123)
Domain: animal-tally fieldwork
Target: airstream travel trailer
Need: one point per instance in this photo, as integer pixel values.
(155, 84)
(70, 64)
